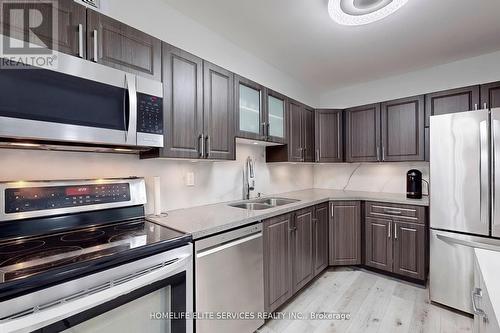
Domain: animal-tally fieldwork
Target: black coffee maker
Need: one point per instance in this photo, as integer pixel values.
(414, 184)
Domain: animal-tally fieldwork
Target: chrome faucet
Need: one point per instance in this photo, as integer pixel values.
(249, 178)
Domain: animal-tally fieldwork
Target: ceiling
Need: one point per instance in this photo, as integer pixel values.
(299, 38)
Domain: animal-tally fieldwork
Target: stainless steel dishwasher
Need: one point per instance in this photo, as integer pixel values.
(229, 275)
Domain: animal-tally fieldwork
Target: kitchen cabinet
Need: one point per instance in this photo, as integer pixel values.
(71, 26)
(278, 286)
(277, 116)
(396, 239)
(403, 129)
(115, 44)
(451, 101)
(300, 147)
(490, 95)
(328, 136)
(218, 112)
(345, 233)
(198, 108)
(251, 109)
(362, 133)
(320, 238)
(302, 254)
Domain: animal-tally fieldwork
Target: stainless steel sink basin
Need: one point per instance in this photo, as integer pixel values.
(264, 203)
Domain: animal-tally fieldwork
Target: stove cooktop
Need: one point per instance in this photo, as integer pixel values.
(31, 256)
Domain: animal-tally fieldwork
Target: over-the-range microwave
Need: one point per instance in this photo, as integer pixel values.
(79, 102)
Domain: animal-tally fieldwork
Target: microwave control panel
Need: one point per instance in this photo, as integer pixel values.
(149, 114)
(18, 200)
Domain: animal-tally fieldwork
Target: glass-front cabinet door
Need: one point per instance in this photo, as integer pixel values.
(251, 120)
(276, 117)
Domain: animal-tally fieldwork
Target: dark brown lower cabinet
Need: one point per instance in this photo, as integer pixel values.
(302, 249)
(277, 261)
(378, 250)
(320, 238)
(409, 250)
(345, 233)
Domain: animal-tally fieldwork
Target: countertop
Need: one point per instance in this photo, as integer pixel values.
(202, 221)
(489, 264)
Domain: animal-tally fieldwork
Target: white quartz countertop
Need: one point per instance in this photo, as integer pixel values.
(489, 264)
(202, 221)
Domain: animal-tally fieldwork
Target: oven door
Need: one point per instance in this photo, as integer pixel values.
(155, 296)
(80, 102)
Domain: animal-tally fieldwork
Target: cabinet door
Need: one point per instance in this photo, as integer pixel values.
(451, 101)
(71, 25)
(363, 133)
(490, 95)
(378, 247)
(250, 119)
(345, 233)
(320, 239)
(276, 117)
(308, 134)
(277, 261)
(302, 248)
(403, 129)
(295, 137)
(123, 47)
(409, 250)
(182, 103)
(328, 136)
(218, 112)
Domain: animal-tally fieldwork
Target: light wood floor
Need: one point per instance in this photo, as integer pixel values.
(376, 304)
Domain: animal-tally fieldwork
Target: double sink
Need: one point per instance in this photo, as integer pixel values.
(264, 203)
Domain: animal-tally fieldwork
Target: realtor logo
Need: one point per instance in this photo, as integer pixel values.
(29, 33)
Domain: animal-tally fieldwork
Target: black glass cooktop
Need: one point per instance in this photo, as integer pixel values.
(27, 257)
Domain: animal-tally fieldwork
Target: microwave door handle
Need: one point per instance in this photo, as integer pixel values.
(131, 129)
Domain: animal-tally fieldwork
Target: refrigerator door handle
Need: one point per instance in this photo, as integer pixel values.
(484, 172)
(473, 244)
(495, 128)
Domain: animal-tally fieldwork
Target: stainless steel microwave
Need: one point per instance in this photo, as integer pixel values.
(80, 102)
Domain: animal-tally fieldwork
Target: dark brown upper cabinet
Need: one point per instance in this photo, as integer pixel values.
(345, 233)
(300, 147)
(218, 112)
(71, 29)
(490, 95)
(198, 108)
(320, 238)
(362, 133)
(403, 129)
(115, 44)
(276, 117)
(250, 109)
(328, 136)
(451, 101)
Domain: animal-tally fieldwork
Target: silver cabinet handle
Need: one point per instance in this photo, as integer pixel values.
(378, 153)
(131, 131)
(267, 130)
(475, 107)
(317, 155)
(395, 231)
(485, 106)
(389, 231)
(207, 146)
(477, 293)
(383, 153)
(390, 211)
(96, 54)
(80, 40)
(264, 130)
(201, 145)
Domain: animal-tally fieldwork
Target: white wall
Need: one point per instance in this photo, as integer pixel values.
(477, 70)
(166, 23)
(374, 177)
(214, 181)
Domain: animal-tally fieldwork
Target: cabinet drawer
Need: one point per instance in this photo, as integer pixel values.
(415, 214)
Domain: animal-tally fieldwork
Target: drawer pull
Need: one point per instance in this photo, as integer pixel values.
(394, 212)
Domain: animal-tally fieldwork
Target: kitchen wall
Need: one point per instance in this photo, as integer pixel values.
(157, 18)
(214, 181)
(376, 177)
(471, 71)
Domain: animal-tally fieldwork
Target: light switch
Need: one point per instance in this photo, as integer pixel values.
(190, 179)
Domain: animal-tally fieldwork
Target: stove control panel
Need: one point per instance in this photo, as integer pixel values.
(28, 199)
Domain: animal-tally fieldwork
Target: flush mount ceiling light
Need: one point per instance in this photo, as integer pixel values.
(360, 12)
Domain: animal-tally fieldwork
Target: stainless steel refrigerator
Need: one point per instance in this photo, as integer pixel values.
(464, 205)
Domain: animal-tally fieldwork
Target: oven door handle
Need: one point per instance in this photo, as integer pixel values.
(88, 299)
(131, 130)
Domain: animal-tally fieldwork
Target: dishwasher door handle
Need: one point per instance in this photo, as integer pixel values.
(227, 245)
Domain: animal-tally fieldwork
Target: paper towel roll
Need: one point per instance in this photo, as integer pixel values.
(157, 195)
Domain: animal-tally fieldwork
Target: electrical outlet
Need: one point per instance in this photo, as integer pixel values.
(190, 179)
